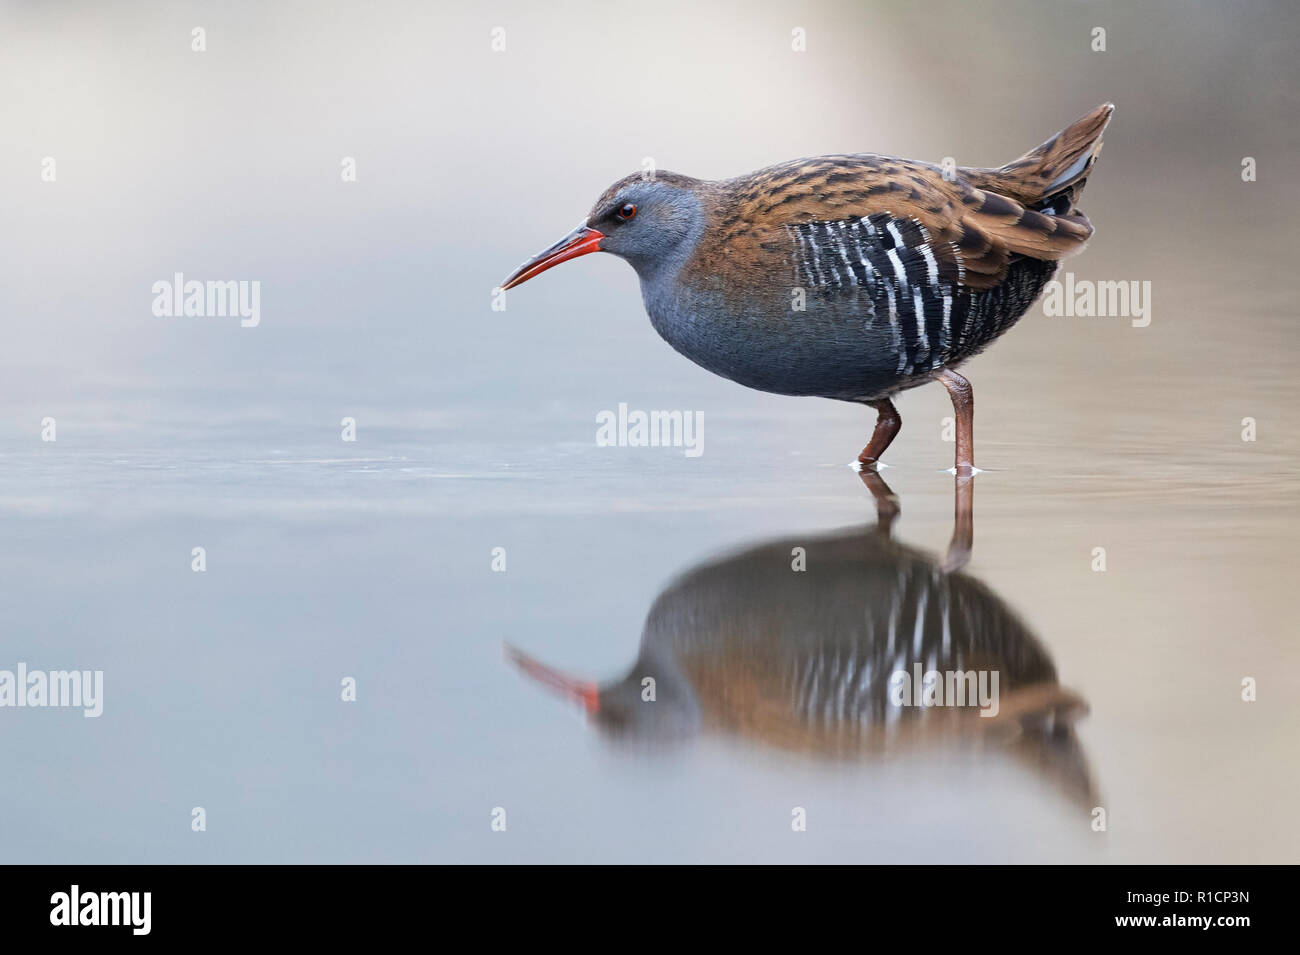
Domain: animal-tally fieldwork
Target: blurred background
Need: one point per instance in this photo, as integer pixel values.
(476, 428)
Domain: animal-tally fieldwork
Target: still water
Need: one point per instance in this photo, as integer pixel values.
(1121, 688)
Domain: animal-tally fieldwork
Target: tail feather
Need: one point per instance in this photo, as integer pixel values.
(1050, 178)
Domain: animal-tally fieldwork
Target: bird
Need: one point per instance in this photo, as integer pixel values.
(745, 648)
(851, 277)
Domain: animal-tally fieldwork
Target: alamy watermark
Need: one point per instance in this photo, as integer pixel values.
(1084, 298)
(651, 429)
(176, 297)
(68, 688)
(949, 688)
(129, 909)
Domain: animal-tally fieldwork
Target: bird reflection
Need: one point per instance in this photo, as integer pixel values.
(799, 643)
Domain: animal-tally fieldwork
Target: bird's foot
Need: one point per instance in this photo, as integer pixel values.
(871, 464)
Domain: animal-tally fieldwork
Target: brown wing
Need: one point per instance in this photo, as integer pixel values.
(979, 229)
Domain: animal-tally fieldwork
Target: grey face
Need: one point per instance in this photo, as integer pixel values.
(647, 222)
(654, 224)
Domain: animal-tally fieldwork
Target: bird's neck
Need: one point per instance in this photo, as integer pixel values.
(675, 695)
(662, 290)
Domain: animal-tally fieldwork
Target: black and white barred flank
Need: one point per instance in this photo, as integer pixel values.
(843, 678)
(914, 285)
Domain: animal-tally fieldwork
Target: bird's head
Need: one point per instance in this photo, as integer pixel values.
(649, 222)
(653, 705)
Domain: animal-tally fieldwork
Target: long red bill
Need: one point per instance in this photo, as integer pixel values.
(585, 692)
(578, 242)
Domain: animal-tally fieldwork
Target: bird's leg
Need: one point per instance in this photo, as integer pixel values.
(963, 524)
(963, 406)
(886, 501)
(887, 424)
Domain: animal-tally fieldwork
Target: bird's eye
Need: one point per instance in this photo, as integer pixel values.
(627, 211)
